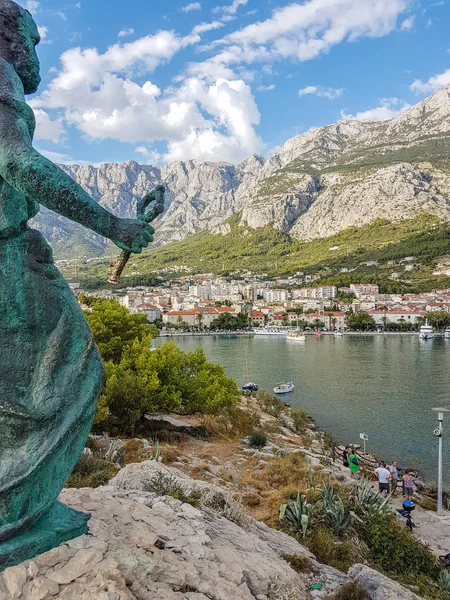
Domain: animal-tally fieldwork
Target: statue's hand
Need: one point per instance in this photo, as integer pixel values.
(132, 235)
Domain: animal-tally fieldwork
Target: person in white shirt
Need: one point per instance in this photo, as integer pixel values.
(383, 478)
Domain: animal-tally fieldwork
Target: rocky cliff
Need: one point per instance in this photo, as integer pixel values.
(144, 545)
(317, 184)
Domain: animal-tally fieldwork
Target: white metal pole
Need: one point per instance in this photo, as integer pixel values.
(364, 447)
(439, 500)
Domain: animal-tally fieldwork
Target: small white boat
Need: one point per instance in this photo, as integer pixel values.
(447, 333)
(296, 336)
(269, 331)
(338, 333)
(426, 332)
(284, 388)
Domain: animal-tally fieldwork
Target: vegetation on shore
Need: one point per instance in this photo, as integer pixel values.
(142, 380)
(276, 254)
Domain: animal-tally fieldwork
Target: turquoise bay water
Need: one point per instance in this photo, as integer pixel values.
(384, 386)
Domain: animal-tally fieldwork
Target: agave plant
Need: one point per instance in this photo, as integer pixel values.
(328, 495)
(340, 517)
(157, 456)
(297, 513)
(445, 581)
(313, 483)
(363, 496)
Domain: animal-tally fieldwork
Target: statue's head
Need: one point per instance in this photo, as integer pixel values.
(19, 37)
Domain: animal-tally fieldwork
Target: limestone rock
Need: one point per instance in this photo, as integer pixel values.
(378, 586)
(14, 579)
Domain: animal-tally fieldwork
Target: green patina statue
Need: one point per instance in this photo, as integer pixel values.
(51, 372)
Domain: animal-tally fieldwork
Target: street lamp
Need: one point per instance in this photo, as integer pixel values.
(438, 433)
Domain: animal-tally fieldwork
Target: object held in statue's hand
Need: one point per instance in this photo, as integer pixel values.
(157, 196)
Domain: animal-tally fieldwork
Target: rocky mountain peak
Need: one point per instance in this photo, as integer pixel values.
(318, 183)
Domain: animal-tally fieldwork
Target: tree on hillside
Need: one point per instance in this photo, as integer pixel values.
(115, 328)
(160, 381)
(361, 321)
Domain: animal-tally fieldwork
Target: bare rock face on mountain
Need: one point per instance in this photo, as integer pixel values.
(317, 184)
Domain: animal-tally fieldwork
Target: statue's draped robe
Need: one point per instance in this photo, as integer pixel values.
(50, 370)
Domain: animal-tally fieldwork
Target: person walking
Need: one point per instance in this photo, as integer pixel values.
(408, 484)
(345, 456)
(384, 476)
(394, 478)
(354, 464)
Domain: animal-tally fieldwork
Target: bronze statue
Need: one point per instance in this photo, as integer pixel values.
(51, 372)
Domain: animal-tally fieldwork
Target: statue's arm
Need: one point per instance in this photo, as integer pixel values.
(37, 177)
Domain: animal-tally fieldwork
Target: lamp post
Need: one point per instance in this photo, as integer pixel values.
(438, 433)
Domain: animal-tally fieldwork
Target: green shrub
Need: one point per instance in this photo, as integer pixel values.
(300, 419)
(428, 503)
(257, 439)
(91, 472)
(271, 404)
(322, 543)
(393, 547)
(352, 591)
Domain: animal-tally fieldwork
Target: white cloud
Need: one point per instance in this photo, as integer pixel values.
(387, 109)
(408, 23)
(125, 32)
(204, 27)
(151, 157)
(43, 31)
(198, 119)
(32, 5)
(230, 9)
(192, 6)
(432, 85)
(58, 157)
(46, 128)
(266, 88)
(330, 93)
(306, 30)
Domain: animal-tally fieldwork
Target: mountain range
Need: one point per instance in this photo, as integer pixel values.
(319, 183)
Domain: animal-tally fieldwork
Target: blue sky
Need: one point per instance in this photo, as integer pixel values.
(159, 81)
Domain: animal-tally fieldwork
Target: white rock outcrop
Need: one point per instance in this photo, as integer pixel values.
(142, 546)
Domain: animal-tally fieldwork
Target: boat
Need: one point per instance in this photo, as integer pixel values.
(447, 333)
(426, 332)
(338, 333)
(269, 331)
(250, 387)
(318, 334)
(296, 336)
(284, 388)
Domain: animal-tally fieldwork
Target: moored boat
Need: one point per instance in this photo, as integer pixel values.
(250, 387)
(269, 331)
(447, 333)
(426, 332)
(284, 388)
(296, 336)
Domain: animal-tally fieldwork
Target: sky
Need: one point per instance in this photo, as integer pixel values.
(157, 81)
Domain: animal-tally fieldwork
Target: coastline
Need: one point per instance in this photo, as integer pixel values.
(306, 333)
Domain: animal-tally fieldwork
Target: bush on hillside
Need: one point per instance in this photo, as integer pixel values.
(352, 591)
(300, 419)
(271, 404)
(91, 472)
(257, 439)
